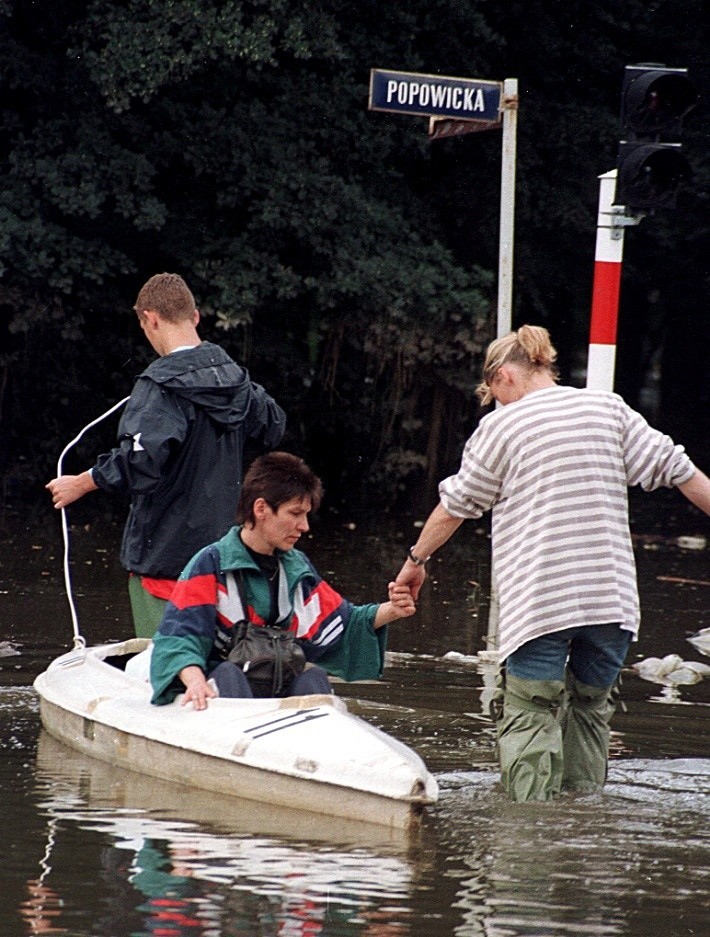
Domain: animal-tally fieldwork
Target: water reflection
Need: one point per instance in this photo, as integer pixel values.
(112, 854)
(180, 862)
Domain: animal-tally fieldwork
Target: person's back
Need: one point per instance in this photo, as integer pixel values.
(554, 465)
(180, 448)
(193, 411)
(557, 465)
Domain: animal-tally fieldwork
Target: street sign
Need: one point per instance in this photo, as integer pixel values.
(441, 127)
(435, 95)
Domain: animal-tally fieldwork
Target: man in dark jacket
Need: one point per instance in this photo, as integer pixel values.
(180, 448)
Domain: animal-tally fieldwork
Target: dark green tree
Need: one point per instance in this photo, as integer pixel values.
(345, 259)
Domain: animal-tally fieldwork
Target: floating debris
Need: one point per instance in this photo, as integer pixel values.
(462, 658)
(481, 657)
(657, 541)
(701, 641)
(692, 542)
(671, 670)
(8, 649)
(683, 581)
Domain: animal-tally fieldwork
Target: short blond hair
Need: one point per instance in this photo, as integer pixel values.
(168, 295)
(529, 348)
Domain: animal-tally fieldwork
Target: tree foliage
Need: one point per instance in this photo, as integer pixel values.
(349, 262)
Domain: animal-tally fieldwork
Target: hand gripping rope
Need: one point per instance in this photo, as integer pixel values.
(79, 641)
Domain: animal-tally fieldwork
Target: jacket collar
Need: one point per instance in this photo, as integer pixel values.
(234, 555)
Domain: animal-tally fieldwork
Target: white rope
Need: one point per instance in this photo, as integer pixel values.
(79, 641)
(44, 861)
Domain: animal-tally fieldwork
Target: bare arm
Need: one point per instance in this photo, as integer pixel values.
(440, 526)
(697, 490)
(69, 488)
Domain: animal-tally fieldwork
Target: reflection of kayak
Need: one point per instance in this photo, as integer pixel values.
(164, 840)
(76, 786)
(296, 752)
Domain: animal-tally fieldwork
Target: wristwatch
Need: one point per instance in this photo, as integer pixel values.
(417, 560)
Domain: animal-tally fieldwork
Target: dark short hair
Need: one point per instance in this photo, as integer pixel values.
(277, 477)
(168, 295)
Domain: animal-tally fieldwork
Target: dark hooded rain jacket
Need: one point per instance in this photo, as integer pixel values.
(179, 455)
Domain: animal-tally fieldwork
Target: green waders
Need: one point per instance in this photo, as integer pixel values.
(552, 737)
(530, 738)
(585, 732)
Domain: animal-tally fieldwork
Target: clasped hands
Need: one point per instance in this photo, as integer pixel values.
(401, 600)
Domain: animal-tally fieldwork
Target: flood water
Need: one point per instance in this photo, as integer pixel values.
(93, 852)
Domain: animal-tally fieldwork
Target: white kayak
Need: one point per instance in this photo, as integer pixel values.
(305, 752)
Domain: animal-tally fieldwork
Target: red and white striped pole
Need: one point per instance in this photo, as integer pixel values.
(605, 293)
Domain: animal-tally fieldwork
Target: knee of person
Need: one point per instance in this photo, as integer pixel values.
(231, 681)
(313, 681)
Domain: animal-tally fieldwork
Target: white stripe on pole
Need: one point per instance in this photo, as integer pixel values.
(605, 293)
(601, 364)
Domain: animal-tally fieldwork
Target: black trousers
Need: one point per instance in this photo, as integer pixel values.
(232, 682)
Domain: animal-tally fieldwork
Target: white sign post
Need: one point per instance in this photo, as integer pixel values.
(457, 106)
(507, 206)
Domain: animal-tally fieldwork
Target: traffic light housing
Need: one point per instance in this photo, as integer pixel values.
(650, 165)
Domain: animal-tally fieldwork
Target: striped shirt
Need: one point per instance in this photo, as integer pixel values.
(555, 467)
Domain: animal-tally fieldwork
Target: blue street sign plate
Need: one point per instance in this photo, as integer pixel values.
(435, 95)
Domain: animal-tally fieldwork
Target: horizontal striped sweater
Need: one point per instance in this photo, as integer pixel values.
(555, 468)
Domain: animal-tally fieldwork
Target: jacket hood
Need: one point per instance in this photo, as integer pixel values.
(207, 377)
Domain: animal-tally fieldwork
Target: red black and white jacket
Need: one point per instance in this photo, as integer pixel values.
(206, 604)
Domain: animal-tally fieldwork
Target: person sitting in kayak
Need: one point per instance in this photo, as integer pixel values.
(253, 585)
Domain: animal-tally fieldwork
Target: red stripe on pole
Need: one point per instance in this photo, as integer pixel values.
(605, 303)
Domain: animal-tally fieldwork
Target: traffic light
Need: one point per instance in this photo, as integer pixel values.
(650, 165)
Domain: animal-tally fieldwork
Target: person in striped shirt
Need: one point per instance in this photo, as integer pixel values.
(554, 464)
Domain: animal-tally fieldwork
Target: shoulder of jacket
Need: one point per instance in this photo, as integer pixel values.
(205, 560)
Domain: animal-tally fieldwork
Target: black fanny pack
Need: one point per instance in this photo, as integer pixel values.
(269, 656)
